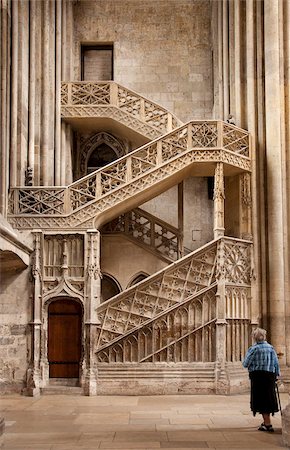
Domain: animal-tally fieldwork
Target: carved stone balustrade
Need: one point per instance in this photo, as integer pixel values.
(134, 178)
(173, 315)
(84, 99)
(148, 231)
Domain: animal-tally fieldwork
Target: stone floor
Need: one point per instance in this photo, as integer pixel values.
(185, 422)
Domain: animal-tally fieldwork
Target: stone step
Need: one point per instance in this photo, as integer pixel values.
(58, 389)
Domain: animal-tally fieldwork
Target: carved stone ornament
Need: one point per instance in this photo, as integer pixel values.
(91, 143)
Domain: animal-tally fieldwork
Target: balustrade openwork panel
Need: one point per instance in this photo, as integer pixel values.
(82, 99)
(171, 316)
(156, 294)
(149, 231)
(133, 173)
(186, 333)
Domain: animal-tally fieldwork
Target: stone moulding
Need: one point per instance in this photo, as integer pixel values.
(155, 164)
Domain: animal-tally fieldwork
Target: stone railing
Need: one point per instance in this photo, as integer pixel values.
(164, 161)
(160, 292)
(97, 99)
(184, 333)
(171, 315)
(149, 231)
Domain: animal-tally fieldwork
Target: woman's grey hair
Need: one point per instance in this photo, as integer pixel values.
(259, 334)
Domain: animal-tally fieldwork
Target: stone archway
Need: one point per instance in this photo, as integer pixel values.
(100, 140)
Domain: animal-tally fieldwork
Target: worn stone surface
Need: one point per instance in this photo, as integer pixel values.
(161, 49)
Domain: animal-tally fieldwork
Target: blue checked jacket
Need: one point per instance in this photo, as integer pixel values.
(262, 356)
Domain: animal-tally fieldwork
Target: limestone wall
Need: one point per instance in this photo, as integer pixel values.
(162, 49)
(123, 260)
(15, 311)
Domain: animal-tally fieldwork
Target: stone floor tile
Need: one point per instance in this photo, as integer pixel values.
(180, 427)
(129, 445)
(41, 438)
(195, 436)
(141, 436)
(102, 418)
(187, 445)
(97, 436)
(92, 428)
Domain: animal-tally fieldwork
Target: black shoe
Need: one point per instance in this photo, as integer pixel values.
(264, 427)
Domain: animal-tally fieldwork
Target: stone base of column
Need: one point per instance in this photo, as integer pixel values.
(90, 383)
(2, 428)
(32, 384)
(286, 425)
(222, 385)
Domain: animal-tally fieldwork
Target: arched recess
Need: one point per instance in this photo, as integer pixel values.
(137, 278)
(99, 149)
(109, 287)
(64, 344)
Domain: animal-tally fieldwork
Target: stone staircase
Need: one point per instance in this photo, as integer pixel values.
(170, 326)
(133, 179)
(149, 232)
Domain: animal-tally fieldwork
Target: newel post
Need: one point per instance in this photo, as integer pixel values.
(92, 300)
(221, 323)
(219, 201)
(245, 207)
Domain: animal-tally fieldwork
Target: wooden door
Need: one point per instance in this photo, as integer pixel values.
(64, 338)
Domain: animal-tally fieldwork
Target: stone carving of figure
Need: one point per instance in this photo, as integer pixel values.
(231, 120)
(29, 176)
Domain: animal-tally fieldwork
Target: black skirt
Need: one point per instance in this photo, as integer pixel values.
(263, 394)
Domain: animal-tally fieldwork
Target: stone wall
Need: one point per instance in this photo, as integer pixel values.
(15, 311)
(161, 49)
(123, 260)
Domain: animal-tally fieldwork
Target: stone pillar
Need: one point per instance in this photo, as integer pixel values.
(92, 300)
(222, 384)
(45, 95)
(219, 199)
(14, 96)
(274, 82)
(33, 372)
(180, 218)
(31, 110)
(245, 207)
(58, 63)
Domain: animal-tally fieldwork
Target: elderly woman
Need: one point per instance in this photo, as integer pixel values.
(262, 363)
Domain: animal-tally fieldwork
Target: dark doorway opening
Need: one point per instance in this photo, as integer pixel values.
(64, 338)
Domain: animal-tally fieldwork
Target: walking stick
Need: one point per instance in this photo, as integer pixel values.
(278, 397)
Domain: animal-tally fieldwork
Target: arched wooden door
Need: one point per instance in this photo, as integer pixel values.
(64, 338)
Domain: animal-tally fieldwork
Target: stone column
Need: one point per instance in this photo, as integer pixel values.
(245, 207)
(45, 95)
(14, 95)
(221, 377)
(58, 63)
(225, 47)
(92, 300)
(31, 109)
(33, 372)
(219, 199)
(180, 217)
(274, 82)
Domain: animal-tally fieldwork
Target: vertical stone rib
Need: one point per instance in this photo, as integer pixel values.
(252, 127)
(45, 95)
(274, 146)
(237, 61)
(14, 96)
(52, 43)
(226, 58)
(4, 94)
(220, 60)
(31, 109)
(58, 62)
